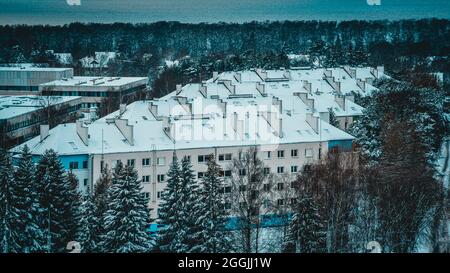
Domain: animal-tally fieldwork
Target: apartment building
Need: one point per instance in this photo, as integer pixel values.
(284, 114)
(94, 89)
(25, 80)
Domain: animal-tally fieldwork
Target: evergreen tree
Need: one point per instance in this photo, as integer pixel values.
(306, 232)
(169, 218)
(73, 205)
(87, 232)
(128, 216)
(213, 236)
(101, 200)
(9, 238)
(25, 199)
(189, 212)
(56, 200)
(333, 121)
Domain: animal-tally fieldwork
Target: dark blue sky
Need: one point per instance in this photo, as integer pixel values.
(59, 12)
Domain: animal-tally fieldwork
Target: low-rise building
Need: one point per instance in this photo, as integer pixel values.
(25, 80)
(21, 116)
(94, 89)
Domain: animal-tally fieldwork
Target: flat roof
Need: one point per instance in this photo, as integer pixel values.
(95, 81)
(12, 106)
(32, 69)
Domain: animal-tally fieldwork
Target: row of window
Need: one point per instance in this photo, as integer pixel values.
(294, 153)
(73, 165)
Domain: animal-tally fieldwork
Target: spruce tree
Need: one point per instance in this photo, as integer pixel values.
(101, 200)
(213, 236)
(169, 218)
(306, 232)
(87, 232)
(72, 209)
(9, 238)
(25, 199)
(56, 199)
(127, 218)
(189, 210)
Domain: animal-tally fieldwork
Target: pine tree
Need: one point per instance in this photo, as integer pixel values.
(333, 120)
(169, 216)
(9, 238)
(87, 232)
(72, 208)
(25, 199)
(56, 198)
(213, 236)
(127, 217)
(306, 232)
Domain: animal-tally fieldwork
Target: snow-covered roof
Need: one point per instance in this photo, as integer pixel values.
(32, 69)
(95, 81)
(12, 106)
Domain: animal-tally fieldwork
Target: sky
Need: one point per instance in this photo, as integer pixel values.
(56, 12)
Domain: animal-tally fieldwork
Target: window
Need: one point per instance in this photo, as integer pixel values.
(294, 169)
(280, 186)
(266, 170)
(85, 182)
(293, 184)
(204, 158)
(242, 172)
(268, 155)
(200, 174)
(227, 205)
(146, 179)
(293, 201)
(188, 157)
(280, 169)
(242, 188)
(308, 152)
(159, 194)
(161, 177)
(85, 164)
(161, 161)
(227, 173)
(146, 162)
(226, 189)
(73, 165)
(294, 153)
(281, 154)
(225, 157)
(130, 162)
(280, 202)
(266, 187)
(147, 195)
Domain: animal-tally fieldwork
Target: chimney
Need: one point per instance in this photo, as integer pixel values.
(380, 70)
(350, 71)
(361, 84)
(306, 100)
(261, 73)
(328, 73)
(335, 84)
(223, 106)
(325, 116)
(178, 89)
(238, 76)
(313, 122)
(374, 72)
(350, 98)
(125, 129)
(83, 132)
(230, 86)
(203, 90)
(169, 128)
(215, 75)
(279, 128)
(340, 100)
(122, 108)
(278, 104)
(153, 109)
(287, 74)
(307, 85)
(183, 101)
(261, 88)
(369, 81)
(44, 129)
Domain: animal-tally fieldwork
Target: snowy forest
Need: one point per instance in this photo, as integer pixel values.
(392, 187)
